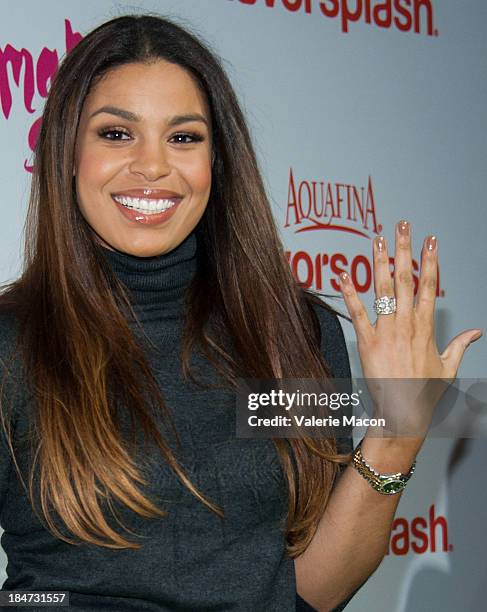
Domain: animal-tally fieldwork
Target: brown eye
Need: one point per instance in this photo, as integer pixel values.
(114, 134)
(187, 138)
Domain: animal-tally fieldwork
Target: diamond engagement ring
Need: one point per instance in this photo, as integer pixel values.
(385, 305)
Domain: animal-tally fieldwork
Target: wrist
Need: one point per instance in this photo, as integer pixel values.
(390, 455)
(386, 483)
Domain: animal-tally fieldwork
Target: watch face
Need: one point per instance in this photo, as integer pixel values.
(392, 485)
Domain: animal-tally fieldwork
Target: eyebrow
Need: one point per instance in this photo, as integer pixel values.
(129, 116)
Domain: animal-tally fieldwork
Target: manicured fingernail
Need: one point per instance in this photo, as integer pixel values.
(431, 243)
(403, 227)
(345, 278)
(380, 243)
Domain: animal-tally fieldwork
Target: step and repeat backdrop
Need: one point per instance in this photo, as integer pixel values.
(363, 112)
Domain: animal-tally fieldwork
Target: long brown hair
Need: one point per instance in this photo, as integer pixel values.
(80, 354)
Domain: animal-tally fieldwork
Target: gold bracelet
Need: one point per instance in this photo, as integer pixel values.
(387, 484)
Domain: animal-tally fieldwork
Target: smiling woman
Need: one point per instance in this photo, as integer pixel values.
(154, 279)
(141, 241)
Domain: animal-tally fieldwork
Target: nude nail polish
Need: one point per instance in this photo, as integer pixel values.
(403, 227)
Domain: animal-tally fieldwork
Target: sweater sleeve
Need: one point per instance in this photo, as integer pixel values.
(334, 350)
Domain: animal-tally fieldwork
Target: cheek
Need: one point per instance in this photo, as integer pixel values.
(199, 176)
(93, 171)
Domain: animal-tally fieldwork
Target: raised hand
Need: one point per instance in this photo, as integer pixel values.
(402, 344)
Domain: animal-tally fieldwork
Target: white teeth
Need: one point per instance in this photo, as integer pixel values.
(148, 206)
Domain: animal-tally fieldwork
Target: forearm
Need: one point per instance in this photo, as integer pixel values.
(354, 531)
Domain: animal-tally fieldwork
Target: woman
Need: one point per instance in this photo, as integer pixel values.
(148, 289)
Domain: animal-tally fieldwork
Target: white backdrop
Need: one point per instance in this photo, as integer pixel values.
(346, 113)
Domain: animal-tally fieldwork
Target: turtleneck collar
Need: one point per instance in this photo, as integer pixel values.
(157, 284)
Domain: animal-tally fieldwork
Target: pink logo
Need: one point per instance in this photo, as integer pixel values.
(31, 76)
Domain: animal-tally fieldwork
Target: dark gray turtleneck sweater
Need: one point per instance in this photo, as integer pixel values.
(191, 559)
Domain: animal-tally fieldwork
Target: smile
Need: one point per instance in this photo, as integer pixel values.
(144, 205)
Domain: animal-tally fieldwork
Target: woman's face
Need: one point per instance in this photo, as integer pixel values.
(143, 158)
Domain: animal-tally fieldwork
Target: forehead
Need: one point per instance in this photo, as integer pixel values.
(151, 90)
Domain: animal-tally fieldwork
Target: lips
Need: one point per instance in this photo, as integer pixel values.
(149, 194)
(147, 206)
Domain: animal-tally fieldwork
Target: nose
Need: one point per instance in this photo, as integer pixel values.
(150, 161)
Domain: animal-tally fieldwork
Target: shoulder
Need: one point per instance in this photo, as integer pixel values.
(332, 340)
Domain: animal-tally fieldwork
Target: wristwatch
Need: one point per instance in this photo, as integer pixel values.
(387, 484)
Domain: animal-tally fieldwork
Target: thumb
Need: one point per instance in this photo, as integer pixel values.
(455, 350)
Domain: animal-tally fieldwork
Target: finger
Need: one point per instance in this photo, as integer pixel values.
(453, 354)
(426, 297)
(383, 284)
(403, 273)
(358, 313)
(382, 276)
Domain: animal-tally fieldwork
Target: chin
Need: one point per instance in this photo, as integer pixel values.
(139, 252)
(146, 250)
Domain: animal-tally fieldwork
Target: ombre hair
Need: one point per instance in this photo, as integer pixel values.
(89, 361)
